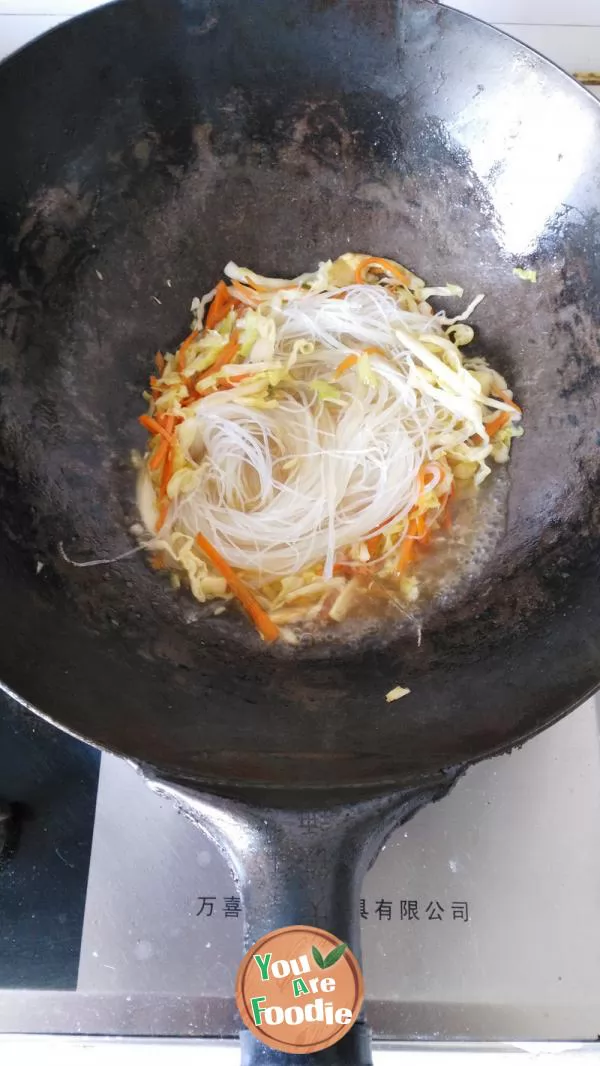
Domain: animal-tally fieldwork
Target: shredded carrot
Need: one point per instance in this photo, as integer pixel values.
(154, 426)
(381, 264)
(268, 630)
(167, 424)
(496, 423)
(502, 395)
(405, 555)
(219, 307)
(159, 362)
(167, 473)
(163, 510)
(167, 421)
(374, 544)
(159, 455)
(230, 383)
(225, 356)
(163, 499)
(245, 290)
(183, 347)
(346, 364)
(343, 570)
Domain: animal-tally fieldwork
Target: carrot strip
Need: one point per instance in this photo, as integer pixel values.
(343, 570)
(154, 426)
(168, 424)
(183, 347)
(159, 362)
(163, 510)
(219, 307)
(166, 421)
(268, 630)
(245, 290)
(383, 264)
(496, 424)
(225, 355)
(159, 455)
(230, 383)
(167, 473)
(374, 544)
(346, 364)
(501, 395)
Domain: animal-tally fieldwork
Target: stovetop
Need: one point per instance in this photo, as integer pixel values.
(480, 919)
(48, 785)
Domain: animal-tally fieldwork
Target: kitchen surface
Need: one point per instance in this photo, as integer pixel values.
(480, 918)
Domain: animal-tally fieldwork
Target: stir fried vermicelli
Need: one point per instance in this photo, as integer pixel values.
(309, 435)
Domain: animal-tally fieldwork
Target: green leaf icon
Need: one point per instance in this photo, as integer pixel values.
(316, 954)
(334, 955)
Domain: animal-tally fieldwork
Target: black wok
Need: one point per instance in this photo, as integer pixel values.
(142, 147)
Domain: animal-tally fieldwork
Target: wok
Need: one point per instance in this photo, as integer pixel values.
(143, 146)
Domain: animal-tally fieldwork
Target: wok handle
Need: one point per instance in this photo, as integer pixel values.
(303, 867)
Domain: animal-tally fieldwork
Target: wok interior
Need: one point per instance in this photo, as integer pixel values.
(149, 148)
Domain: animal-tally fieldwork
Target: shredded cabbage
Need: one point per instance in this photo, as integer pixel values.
(524, 274)
(314, 432)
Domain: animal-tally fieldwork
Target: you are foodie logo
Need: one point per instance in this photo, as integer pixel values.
(299, 989)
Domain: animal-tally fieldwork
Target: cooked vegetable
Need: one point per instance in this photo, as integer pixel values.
(307, 437)
(265, 626)
(525, 275)
(396, 693)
